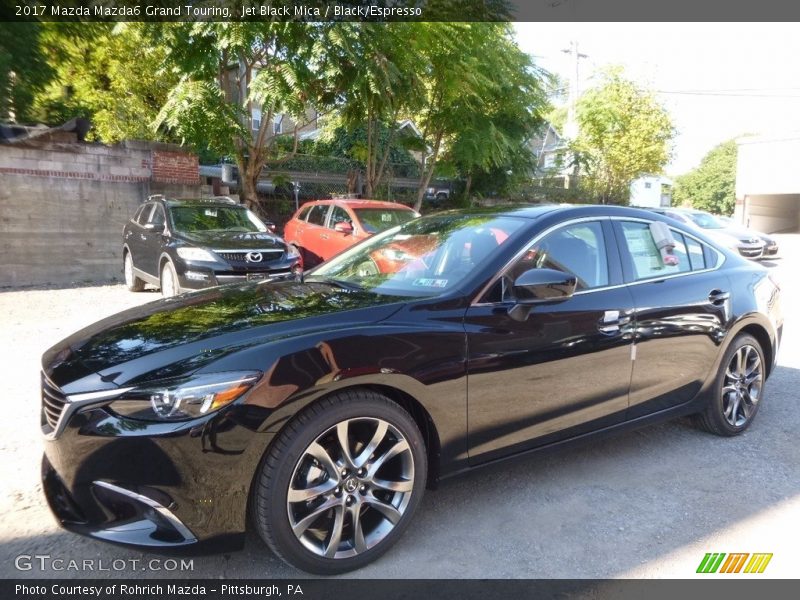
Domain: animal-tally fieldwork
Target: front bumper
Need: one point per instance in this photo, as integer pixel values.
(770, 250)
(201, 275)
(164, 485)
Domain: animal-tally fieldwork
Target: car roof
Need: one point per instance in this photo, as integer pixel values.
(216, 202)
(359, 203)
(576, 210)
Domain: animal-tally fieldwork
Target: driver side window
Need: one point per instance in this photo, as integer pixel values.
(578, 249)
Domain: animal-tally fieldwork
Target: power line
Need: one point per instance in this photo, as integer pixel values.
(725, 94)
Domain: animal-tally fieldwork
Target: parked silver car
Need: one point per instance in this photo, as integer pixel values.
(748, 243)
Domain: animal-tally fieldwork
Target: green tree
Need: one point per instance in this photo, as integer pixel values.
(226, 70)
(624, 134)
(494, 141)
(24, 70)
(474, 77)
(376, 67)
(109, 73)
(711, 185)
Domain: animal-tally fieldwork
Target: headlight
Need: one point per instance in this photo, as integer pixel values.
(182, 399)
(189, 253)
(292, 251)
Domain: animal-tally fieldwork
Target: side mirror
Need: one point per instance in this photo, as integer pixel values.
(343, 227)
(540, 286)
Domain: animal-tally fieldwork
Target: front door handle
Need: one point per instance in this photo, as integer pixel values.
(718, 297)
(324, 236)
(612, 320)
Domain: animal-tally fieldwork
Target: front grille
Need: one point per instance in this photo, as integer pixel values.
(266, 256)
(53, 402)
(750, 252)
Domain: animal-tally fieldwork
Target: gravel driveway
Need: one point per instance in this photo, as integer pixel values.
(649, 503)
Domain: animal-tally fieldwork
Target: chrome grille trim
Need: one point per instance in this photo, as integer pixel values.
(58, 407)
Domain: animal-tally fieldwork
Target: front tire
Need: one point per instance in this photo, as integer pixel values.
(738, 391)
(169, 280)
(341, 483)
(132, 282)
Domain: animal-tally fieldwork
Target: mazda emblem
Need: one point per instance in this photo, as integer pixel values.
(253, 257)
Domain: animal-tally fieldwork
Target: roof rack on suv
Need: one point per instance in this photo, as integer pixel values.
(227, 199)
(152, 197)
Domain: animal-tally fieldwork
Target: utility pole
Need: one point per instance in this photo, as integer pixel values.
(571, 128)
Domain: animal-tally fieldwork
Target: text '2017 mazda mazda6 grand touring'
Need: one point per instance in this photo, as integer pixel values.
(319, 410)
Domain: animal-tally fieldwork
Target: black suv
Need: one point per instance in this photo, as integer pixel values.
(182, 245)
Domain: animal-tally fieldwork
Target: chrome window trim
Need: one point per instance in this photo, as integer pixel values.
(518, 255)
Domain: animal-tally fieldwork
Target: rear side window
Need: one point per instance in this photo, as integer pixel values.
(303, 213)
(317, 214)
(646, 258)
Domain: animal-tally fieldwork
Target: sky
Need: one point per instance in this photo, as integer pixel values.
(747, 74)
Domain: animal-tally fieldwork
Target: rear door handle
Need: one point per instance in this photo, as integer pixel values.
(718, 297)
(612, 320)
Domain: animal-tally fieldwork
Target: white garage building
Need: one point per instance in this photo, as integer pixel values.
(768, 182)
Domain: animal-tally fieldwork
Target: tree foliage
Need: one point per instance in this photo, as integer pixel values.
(375, 69)
(24, 70)
(711, 185)
(624, 134)
(482, 95)
(226, 70)
(109, 73)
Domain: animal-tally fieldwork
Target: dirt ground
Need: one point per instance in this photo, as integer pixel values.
(649, 503)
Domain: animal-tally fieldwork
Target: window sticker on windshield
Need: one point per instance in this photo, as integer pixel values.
(436, 283)
(210, 212)
(386, 217)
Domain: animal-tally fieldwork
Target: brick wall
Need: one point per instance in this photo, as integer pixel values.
(63, 205)
(175, 167)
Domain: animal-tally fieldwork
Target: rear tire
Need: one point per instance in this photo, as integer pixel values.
(132, 282)
(738, 390)
(340, 483)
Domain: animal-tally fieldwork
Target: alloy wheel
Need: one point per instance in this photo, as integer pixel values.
(350, 487)
(741, 388)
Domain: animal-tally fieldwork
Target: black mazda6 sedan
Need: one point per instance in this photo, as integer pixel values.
(319, 410)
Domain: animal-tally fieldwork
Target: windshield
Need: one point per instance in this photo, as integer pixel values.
(193, 219)
(706, 221)
(424, 257)
(374, 220)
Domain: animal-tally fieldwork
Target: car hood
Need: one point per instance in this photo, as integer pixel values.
(179, 335)
(727, 237)
(233, 240)
(741, 233)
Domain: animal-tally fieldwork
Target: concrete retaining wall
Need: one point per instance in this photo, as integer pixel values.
(63, 205)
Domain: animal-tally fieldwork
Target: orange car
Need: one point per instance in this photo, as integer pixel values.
(323, 228)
